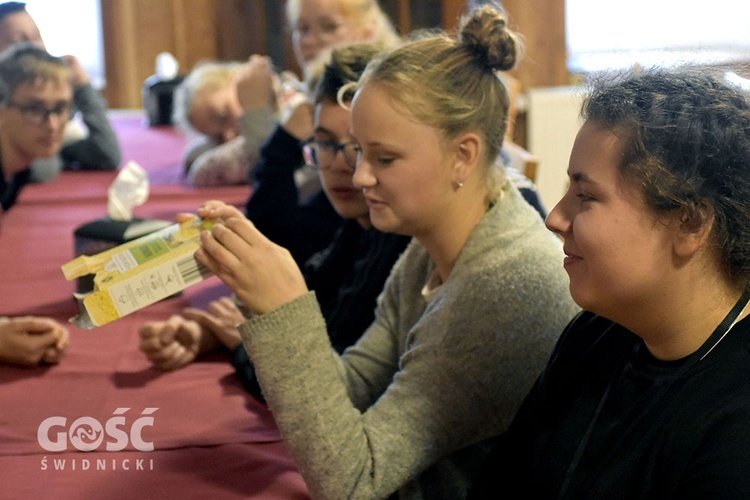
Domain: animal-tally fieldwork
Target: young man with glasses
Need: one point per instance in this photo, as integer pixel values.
(36, 93)
(94, 147)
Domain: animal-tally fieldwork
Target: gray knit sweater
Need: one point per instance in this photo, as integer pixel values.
(398, 411)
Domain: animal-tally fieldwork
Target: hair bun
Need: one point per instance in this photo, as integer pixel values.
(486, 34)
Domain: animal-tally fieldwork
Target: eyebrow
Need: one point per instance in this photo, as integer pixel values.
(35, 101)
(377, 144)
(581, 178)
(322, 130)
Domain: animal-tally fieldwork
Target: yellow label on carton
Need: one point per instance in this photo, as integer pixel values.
(138, 273)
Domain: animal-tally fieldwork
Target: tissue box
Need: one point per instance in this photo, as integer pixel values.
(138, 273)
(102, 234)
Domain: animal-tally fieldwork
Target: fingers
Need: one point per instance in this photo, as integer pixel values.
(217, 258)
(34, 325)
(172, 357)
(205, 318)
(229, 337)
(156, 334)
(214, 209)
(259, 61)
(223, 248)
(169, 357)
(236, 233)
(185, 217)
(80, 76)
(52, 355)
(232, 250)
(30, 340)
(226, 308)
(63, 341)
(254, 83)
(20, 348)
(262, 274)
(222, 318)
(170, 344)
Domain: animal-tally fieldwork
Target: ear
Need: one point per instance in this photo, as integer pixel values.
(468, 150)
(693, 230)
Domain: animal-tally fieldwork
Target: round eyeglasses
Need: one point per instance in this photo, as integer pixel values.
(321, 154)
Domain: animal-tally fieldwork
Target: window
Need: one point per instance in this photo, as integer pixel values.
(610, 35)
(72, 27)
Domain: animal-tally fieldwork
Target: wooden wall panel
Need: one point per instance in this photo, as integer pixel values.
(452, 12)
(406, 15)
(135, 31)
(241, 28)
(542, 24)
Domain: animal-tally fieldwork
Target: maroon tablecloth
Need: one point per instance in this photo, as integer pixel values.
(103, 423)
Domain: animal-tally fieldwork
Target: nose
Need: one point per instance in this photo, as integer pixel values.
(310, 44)
(558, 220)
(56, 120)
(363, 176)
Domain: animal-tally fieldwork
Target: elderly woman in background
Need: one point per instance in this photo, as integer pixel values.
(234, 106)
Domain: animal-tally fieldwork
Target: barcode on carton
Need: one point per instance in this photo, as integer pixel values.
(191, 270)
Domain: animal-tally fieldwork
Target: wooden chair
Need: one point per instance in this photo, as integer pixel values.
(521, 159)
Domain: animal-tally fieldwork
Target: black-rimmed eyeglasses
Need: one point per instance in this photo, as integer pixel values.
(36, 113)
(321, 154)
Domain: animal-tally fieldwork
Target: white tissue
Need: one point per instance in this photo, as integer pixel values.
(129, 189)
(167, 66)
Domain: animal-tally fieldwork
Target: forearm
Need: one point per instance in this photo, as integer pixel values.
(256, 127)
(100, 150)
(303, 390)
(345, 452)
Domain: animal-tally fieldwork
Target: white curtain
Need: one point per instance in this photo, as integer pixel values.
(604, 34)
(72, 27)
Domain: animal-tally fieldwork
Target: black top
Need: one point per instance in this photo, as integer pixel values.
(598, 423)
(274, 207)
(9, 189)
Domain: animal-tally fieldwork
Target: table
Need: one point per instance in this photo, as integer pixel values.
(104, 423)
